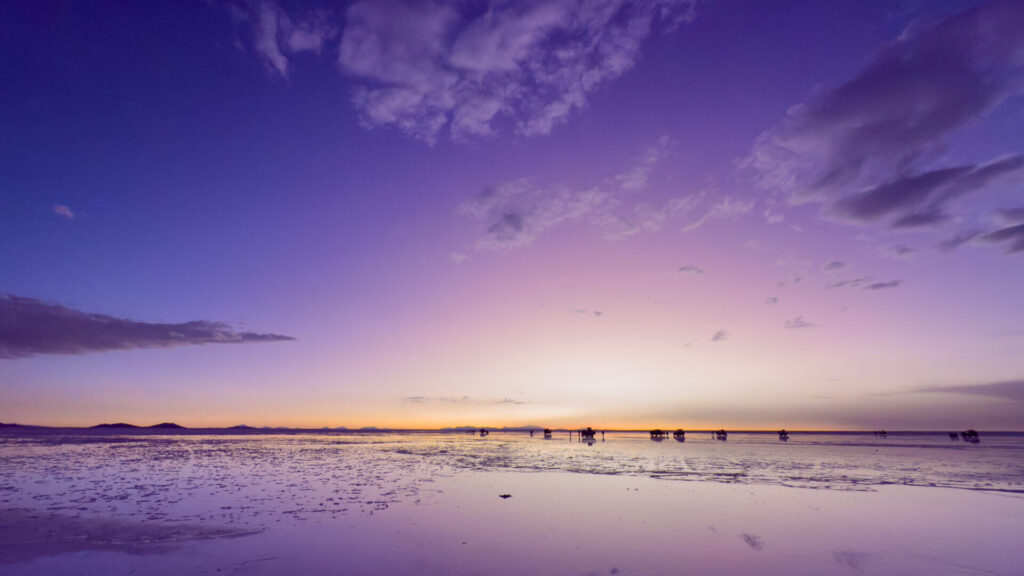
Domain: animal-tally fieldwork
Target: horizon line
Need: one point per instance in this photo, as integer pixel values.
(165, 426)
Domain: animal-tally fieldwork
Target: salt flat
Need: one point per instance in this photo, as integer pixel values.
(428, 504)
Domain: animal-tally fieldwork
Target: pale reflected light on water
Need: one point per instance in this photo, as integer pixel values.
(359, 503)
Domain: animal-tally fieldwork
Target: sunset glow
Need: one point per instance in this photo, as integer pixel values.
(414, 216)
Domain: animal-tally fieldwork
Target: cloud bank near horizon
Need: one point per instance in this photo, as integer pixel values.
(1012, 390)
(29, 327)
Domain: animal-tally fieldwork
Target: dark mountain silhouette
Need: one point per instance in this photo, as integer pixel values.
(115, 425)
(502, 429)
(167, 425)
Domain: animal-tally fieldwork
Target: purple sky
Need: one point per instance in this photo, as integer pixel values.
(621, 214)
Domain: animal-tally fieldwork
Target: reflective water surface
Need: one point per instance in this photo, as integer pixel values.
(355, 503)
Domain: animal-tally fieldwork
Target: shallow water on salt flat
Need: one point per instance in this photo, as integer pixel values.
(92, 502)
(256, 479)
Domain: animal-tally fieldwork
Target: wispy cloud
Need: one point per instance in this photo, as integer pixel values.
(1011, 215)
(691, 270)
(275, 34)
(849, 282)
(506, 401)
(62, 210)
(883, 285)
(720, 336)
(32, 327)
(898, 252)
(1010, 390)
(793, 280)
(434, 68)
(957, 240)
(725, 209)
(920, 199)
(515, 213)
(648, 216)
(833, 266)
(1012, 238)
(771, 300)
(799, 322)
(872, 150)
(636, 176)
(772, 214)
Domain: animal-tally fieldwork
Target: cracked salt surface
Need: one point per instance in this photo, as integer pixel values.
(249, 480)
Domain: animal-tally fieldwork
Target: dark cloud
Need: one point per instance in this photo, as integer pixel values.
(898, 251)
(833, 266)
(851, 282)
(883, 285)
(771, 300)
(920, 199)
(691, 270)
(872, 150)
(720, 336)
(1012, 237)
(29, 326)
(920, 219)
(898, 195)
(1010, 390)
(753, 541)
(799, 322)
(507, 229)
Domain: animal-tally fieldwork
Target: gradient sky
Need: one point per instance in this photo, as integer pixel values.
(616, 214)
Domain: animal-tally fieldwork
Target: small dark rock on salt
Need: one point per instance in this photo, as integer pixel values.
(504, 495)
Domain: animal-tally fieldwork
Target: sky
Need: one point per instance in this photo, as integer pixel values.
(618, 214)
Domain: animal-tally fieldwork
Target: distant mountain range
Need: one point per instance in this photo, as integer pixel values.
(246, 427)
(502, 429)
(170, 425)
